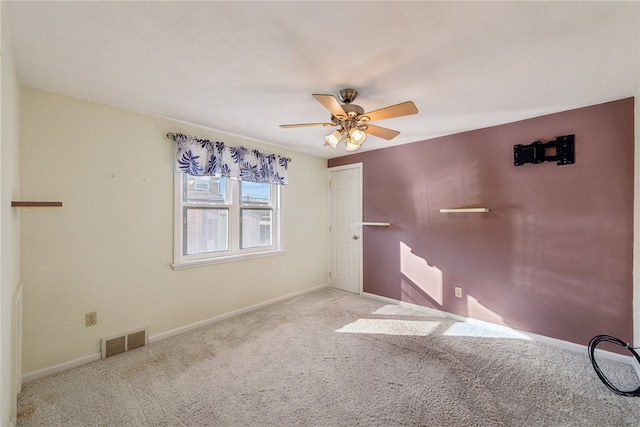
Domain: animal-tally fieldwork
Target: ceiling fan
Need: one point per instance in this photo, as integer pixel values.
(352, 122)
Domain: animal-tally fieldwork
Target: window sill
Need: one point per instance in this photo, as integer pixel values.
(224, 259)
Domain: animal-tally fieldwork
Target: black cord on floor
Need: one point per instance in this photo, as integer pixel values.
(607, 338)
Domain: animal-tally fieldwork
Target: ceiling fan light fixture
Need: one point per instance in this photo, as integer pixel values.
(351, 146)
(357, 136)
(333, 138)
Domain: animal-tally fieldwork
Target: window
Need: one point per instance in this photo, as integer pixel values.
(255, 215)
(220, 219)
(201, 183)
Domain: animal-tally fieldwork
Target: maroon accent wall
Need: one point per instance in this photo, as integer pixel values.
(554, 254)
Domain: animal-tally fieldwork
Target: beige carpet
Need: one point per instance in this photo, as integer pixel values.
(331, 358)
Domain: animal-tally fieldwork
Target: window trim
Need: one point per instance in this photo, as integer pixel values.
(227, 258)
(181, 261)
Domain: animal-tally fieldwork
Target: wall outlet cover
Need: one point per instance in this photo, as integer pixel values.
(91, 319)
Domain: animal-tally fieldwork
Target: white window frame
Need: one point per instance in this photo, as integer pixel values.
(234, 253)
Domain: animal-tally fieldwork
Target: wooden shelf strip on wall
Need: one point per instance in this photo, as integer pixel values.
(35, 204)
(464, 210)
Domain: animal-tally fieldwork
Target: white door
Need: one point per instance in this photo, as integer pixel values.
(345, 230)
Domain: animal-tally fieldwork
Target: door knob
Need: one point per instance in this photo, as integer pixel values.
(355, 237)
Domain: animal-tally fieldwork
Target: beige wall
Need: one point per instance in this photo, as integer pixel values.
(9, 223)
(110, 247)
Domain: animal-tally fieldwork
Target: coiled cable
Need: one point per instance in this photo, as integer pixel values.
(592, 347)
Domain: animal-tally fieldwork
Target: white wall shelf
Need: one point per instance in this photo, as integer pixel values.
(464, 210)
(16, 204)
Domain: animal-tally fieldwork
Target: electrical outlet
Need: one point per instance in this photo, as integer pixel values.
(91, 319)
(458, 292)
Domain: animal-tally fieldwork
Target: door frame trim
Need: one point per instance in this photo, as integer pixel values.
(359, 167)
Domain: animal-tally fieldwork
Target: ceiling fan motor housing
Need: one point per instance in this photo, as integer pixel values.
(352, 110)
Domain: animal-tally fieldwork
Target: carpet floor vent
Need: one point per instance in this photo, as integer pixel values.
(124, 342)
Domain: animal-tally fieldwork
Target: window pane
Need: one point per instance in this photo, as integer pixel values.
(206, 230)
(255, 193)
(205, 189)
(256, 228)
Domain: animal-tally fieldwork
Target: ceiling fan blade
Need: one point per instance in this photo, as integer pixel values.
(331, 103)
(403, 109)
(381, 132)
(306, 125)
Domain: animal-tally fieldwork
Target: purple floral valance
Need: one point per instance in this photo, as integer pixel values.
(201, 157)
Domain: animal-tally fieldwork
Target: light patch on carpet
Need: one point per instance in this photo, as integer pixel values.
(470, 330)
(401, 310)
(390, 327)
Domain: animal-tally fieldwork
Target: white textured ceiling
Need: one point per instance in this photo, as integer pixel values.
(246, 67)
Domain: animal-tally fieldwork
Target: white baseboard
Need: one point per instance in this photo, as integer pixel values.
(630, 360)
(221, 317)
(381, 298)
(31, 376)
(577, 348)
(41, 373)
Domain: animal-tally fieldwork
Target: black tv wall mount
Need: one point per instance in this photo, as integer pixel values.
(537, 152)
